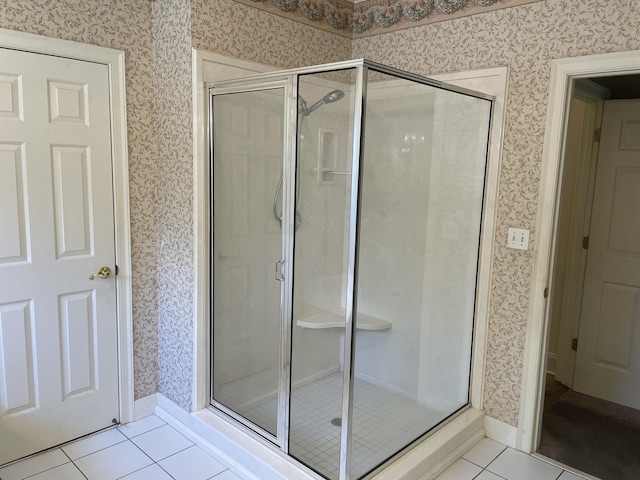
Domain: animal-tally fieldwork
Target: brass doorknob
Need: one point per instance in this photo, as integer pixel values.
(103, 272)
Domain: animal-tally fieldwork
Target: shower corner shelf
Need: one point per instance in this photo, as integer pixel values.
(333, 320)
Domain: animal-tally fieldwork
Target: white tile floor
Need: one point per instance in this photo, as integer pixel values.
(490, 460)
(148, 449)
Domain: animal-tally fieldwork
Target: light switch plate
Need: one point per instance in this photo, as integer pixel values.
(518, 238)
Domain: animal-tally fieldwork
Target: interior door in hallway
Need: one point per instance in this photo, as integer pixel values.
(608, 356)
(58, 328)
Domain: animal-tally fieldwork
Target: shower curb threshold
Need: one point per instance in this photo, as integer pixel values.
(255, 458)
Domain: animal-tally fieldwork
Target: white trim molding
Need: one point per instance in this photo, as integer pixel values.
(563, 73)
(500, 431)
(552, 363)
(207, 67)
(145, 406)
(114, 60)
(491, 81)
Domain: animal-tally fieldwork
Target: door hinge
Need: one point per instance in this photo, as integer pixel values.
(597, 133)
(574, 344)
(585, 243)
(279, 272)
(546, 292)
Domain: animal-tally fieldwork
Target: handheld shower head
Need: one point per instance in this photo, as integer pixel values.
(334, 96)
(330, 97)
(302, 105)
(303, 111)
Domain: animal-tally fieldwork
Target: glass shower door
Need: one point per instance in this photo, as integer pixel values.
(343, 323)
(325, 160)
(421, 198)
(248, 151)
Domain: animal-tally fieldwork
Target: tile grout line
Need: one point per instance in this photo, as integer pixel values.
(74, 464)
(175, 453)
(96, 451)
(119, 441)
(141, 433)
(163, 469)
(49, 469)
(494, 474)
(145, 453)
(490, 461)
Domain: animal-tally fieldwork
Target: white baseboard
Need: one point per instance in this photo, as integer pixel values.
(434, 402)
(255, 458)
(552, 361)
(500, 431)
(383, 384)
(145, 406)
(297, 384)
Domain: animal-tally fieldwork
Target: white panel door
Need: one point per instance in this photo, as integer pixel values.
(58, 332)
(608, 357)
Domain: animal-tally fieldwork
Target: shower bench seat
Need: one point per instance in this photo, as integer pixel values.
(333, 320)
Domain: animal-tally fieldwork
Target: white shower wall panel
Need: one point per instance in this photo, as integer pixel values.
(421, 198)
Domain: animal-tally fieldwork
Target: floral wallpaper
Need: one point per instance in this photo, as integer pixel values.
(123, 25)
(525, 38)
(157, 37)
(173, 126)
(236, 30)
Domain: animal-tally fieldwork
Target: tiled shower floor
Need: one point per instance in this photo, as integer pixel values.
(384, 422)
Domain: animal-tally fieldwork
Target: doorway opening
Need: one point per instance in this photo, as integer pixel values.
(591, 396)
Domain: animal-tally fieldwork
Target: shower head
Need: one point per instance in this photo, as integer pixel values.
(330, 97)
(333, 96)
(302, 105)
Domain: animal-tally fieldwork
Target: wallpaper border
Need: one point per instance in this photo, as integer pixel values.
(373, 17)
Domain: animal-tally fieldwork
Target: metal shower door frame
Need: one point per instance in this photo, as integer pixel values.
(289, 81)
(281, 439)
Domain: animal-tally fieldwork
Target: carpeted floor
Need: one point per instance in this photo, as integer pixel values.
(598, 437)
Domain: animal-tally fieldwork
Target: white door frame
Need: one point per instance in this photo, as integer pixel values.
(227, 67)
(563, 72)
(576, 258)
(114, 59)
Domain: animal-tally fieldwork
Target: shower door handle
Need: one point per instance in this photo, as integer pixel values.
(279, 272)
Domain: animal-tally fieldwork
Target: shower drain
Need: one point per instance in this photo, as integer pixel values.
(336, 422)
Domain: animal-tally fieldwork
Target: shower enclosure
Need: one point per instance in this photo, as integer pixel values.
(346, 204)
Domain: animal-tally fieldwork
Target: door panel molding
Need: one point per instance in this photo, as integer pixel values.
(18, 391)
(12, 179)
(114, 60)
